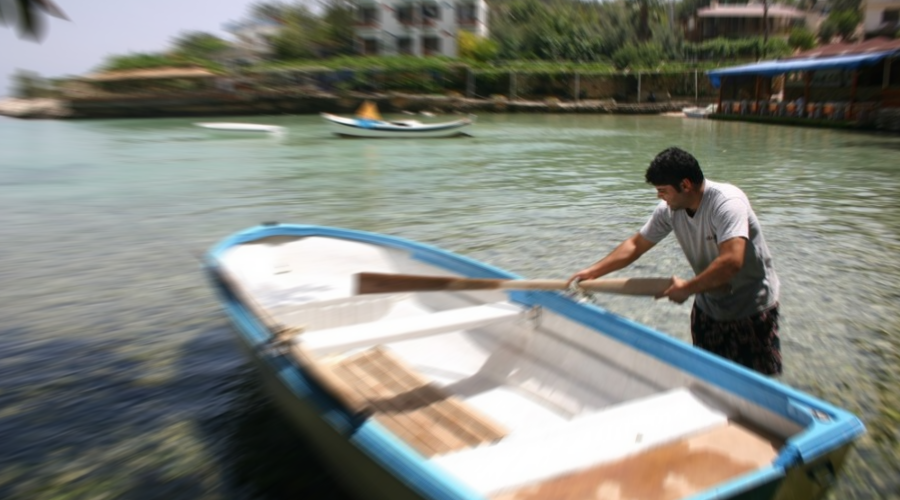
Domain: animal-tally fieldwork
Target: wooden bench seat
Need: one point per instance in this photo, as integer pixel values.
(406, 403)
(588, 441)
(345, 338)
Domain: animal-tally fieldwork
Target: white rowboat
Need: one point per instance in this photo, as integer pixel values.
(697, 112)
(504, 392)
(241, 127)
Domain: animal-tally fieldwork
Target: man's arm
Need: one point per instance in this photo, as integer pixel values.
(718, 274)
(627, 252)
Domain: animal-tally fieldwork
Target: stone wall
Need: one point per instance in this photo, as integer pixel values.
(888, 120)
(345, 104)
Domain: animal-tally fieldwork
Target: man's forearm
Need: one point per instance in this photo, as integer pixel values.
(716, 276)
(623, 255)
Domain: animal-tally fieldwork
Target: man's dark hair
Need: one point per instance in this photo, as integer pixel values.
(672, 166)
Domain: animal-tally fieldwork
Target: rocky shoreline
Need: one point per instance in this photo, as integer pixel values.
(34, 108)
(230, 104)
(261, 104)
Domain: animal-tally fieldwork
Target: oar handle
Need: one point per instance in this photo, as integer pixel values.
(625, 286)
(628, 286)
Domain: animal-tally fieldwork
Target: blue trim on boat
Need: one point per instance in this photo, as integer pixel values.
(826, 427)
(821, 435)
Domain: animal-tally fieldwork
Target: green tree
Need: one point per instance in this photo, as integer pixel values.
(29, 85)
(28, 16)
(634, 56)
(642, 26)
(568, 30)
(802, 38)
(842, 5)
(472, 46)
(269, 10)
(143, 60)
(335, 32)
(841, 23)
(297, 37)
(197, 45)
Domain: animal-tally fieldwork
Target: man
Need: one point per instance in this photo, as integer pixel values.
(735, 313)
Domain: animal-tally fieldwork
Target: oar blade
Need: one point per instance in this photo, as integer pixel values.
(396, 283)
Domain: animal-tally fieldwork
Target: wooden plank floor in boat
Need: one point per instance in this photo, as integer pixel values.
(424, 416)
(668, 472)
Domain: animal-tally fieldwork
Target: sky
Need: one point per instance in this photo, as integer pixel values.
(100, 28)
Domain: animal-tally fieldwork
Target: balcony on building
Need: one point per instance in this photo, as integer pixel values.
(367, 16)
(466, 14)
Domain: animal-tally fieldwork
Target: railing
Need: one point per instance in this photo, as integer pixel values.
(827, 110)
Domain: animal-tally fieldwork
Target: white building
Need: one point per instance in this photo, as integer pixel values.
(881, 17)
(416, 27)
(252, 37)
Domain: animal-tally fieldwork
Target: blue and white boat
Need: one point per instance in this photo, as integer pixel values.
(369, 123)
(503, 393)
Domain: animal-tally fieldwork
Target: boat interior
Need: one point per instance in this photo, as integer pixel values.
(515, 402)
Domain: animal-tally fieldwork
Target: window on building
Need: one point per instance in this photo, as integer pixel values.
(404, 46)
(431, 13)
(370, 47)
(367, 16)
(431, 45)
(890, 16)
(406, 14)
(466, 13)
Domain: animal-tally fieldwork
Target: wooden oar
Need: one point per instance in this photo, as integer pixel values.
(394, 283)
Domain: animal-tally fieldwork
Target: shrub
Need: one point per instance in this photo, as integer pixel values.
(476, 48)
(802, 38)
(646, 55)
(840, 22)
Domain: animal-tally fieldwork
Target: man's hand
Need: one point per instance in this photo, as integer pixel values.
(678, 292)
(584, 274)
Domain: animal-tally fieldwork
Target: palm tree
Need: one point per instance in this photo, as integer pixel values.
(28, 16)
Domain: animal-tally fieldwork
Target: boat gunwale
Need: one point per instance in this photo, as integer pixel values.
(818, 437)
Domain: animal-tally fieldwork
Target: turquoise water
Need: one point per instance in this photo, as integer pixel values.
(119, 377)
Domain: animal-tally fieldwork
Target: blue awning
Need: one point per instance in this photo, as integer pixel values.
(778, 67)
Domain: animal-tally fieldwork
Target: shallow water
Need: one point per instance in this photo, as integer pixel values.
(119, 377)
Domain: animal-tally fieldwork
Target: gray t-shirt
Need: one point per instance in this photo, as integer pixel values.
(724, 213)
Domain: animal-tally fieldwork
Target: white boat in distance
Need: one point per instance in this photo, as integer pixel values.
(368, 123)
(697, 112)
(241, 127)
(448, 379)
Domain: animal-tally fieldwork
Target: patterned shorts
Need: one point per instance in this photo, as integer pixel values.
(752, 341)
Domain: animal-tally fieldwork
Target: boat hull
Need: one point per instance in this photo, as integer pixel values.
(360, 475)
(695, 112)
(352, 127)
(241, 128)
(378, 465)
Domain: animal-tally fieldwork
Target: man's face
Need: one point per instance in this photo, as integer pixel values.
(677, 200)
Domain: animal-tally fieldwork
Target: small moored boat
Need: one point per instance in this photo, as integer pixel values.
(233, 127)
(698, 112)
(421, 374)
(368, 123)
